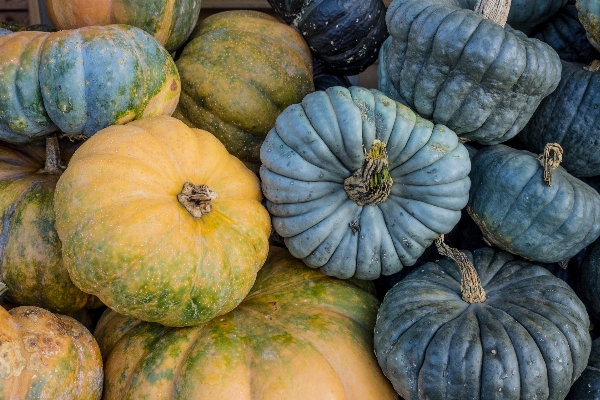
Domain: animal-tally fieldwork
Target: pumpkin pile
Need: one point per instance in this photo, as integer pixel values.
(209, 208)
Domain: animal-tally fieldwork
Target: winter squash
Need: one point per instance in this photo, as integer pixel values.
(298, 335)
(570, 116)
(80, 81)
(589, 281)
(239, 71)
(488, 325)
(358, 185)
(519, 212)
(170, 22)
(47, 356)
(589, 15)
(31, 262)
(160, 222)
(344, 35)
(480, 78)
(324, 78)
(587, 387)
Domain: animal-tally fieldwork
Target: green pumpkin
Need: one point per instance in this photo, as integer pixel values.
(589, 15)
(505, 329)
(519, 213)
(348, 224)
(455, 67)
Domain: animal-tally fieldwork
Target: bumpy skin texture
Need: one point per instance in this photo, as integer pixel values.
(170, 21)
(344, 35)
(317, 144)
(570, 116)
(589, 15)
(587, 387)
(128, 239)
(47, 356)
(519, 213)
(239, 72)
(298, 335)
(529, 339)
(456, 68)
(565, 34)
(31, 262)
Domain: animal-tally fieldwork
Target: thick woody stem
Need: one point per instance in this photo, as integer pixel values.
(593, 67)
(550, 159)
(3, 288)
(53, 162)
(196, 199)
(371, 184)
(470, 285)
(495, 10)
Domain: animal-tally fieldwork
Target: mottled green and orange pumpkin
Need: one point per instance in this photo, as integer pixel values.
(169, 21)
(160, 222)
(240, 70)
(299, 334)
(47, 356)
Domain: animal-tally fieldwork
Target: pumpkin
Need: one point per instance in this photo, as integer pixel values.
(589, 280)
(169, 22)
(589, 15)
(587, 387)
(83, 80)
(297, 335)
(458, 68)
(519, 212)
(16, 27)
(160, 222)
(324, 78)
(565, 34)
(358, 185)
(239, 71)
(47, 356)
(344, 35)
(31, 263)
(488, 325)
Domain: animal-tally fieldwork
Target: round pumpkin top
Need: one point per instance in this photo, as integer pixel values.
(161, 222)
(589, 15)
(297, 335)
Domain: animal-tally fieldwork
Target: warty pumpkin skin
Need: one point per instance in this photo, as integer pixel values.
(124, 215)
(47, 356)
(297, 335)
(239, 71)
(456, 68)
(521, 214)
(311, 159)
(528, 340)
(168, 21)
(589, 15)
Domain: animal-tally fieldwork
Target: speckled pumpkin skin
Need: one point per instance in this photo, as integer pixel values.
(238, 73)
(31, 262)
(169, 21)
(589, 15)
(47, 356)
(298, 335)
(127, 239)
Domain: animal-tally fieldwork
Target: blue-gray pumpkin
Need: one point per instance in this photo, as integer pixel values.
(570, 116)
(587, 387)
(589, 15)
(518, 212)
(358, 185)
(455, 67)
(589, 280)
(524, 335)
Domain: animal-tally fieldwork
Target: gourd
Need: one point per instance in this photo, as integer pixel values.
(239, 71)
(297, 335)
(324, 78)
(344, 35)
(358, 185)
(160, 222)
(169, 22)
(589, 15)
(480, 326)
(480, 78)
(521, 211)
(47, 356)
(587, 387)
(589, 279)
(80, 81)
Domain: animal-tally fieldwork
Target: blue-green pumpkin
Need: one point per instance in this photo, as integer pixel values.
(587, 387)
(589, 15)
(570, 116)
(453, 66)
(518, 212)
(359, 185)
(521, 334)
(589, 280)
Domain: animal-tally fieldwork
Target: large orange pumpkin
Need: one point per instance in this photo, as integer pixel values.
(160, 222)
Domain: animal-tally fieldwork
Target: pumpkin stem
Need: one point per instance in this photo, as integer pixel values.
(495, 10)
(196, 199)
(593, 67)
(372, 183)
(550, 159)
(53, 162)
(470, 285)
(3, 288)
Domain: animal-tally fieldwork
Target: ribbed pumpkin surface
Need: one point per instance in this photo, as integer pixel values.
(297, 335)
(129, 240)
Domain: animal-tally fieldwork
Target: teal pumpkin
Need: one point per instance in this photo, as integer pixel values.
(587, 387)
(589, 15)
(347, 223)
